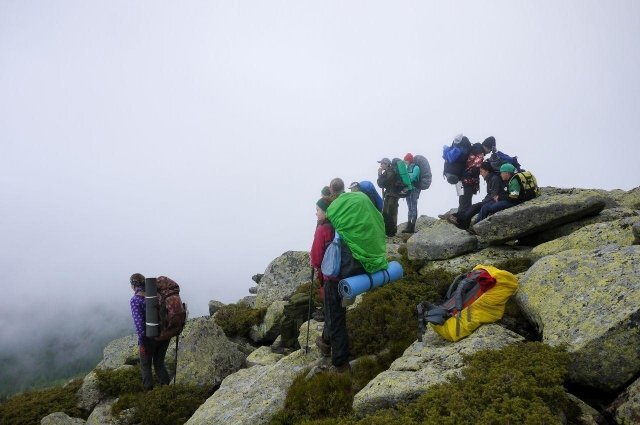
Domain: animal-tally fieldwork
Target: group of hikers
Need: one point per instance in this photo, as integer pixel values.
(358, 222)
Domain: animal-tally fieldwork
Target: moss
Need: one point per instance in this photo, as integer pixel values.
(514, 265)
(28, 408)
(115, 382)
(164, 405)
(237, 319)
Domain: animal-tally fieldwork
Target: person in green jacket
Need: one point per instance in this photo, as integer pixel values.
(414, 193)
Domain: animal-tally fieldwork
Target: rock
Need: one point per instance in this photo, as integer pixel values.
(440, 240)
(120, 351)
(636, 233)
(256, 278)
(425, 364)
(537, 215)
(89, 395)
(628, 199)
(263, 356)
(249, 300)
(101, 415)
(253, 290)
(282, 276)
(590, 301)
(497, 256)
(267, 331)
(205, 355)
(393, 251)
(589, 237)
(609, 214)
(252, 396)
(214, 306)
(588, 415)
(60, 418)
(626, 408)
(315, 329)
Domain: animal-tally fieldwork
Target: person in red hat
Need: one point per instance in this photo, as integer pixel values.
(414, 193)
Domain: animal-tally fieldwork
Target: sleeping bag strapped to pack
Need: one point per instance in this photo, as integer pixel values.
(403, 173)
(473, 299)
(425, 172)
(529, 185)
(455, 158)
(498, 158)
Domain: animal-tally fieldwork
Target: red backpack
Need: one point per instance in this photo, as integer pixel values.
(172, 312)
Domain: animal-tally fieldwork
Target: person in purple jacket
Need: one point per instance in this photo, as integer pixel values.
(151, 351)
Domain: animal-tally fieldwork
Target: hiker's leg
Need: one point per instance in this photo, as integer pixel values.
(412, 203)
(464, 216)
(337, 329)
(464, 200)
(145, 366)
(493, 207)
(390, 215)
(158, 362)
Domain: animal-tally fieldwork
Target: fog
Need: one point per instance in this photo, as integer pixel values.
(192, 140)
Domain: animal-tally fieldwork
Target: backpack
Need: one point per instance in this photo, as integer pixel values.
(425, 172)
(465, 289)
(330, 266)
(403, 175)
(498, 158)
(455, 158)
(529, 185)
(172, 312)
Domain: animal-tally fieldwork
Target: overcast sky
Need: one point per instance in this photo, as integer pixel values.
(191, 139)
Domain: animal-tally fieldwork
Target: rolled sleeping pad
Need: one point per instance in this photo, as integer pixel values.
(151, 307)
(353, 286)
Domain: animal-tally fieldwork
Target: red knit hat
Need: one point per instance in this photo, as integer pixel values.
(408, 157)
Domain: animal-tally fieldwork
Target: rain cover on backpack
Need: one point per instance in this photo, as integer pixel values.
(488, 308)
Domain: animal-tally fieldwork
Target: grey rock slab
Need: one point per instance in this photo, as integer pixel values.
(440, 240)
(282, 277)
(60, 418)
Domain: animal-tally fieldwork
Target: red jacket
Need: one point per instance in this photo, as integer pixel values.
(321, 240)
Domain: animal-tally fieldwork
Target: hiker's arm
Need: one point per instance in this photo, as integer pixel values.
(138, 314)
(321, 239)
(514, 189)
(415, 174)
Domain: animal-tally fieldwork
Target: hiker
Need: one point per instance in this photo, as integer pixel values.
(462, 218)
(336, 187)
(510, 196)
(471, 176)
(368, 189)
(391, 186)
(362, 250)
(325, 191)
(413, 193)
(321, 239)
(498, 158)
(151, 351)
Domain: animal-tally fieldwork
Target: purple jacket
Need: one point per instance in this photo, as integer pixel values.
(138, 314)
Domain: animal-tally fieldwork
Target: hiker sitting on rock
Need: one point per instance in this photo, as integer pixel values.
(462, 219)
(509, 196)
(151, 351)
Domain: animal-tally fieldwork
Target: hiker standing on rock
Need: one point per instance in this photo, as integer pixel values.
(321, 239)
(151, 351)
(413, 194)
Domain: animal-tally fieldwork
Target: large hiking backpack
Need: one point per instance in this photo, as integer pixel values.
(455, 158)
(473, 299)
(498, 158)
(172, 311)
(529, 185)
(403, 175)
(425, 172)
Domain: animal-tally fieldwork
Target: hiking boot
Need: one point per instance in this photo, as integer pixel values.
(470, 230)
(410, 227)
(324, 348)
(281, 350)
(452, 219)
(443, 216)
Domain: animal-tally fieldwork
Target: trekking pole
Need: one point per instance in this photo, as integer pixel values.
(175, 373)
(306, 348)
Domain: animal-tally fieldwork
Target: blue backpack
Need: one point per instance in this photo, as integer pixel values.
(455, 158)
(498, 158)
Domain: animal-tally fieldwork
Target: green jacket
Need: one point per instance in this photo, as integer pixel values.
(361, 226)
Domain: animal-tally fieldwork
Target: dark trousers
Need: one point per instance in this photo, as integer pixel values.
(335, 324)
(412, 204)
(156, 352)
(493, 207)
(464, 217)
(390, 215)
(464, 200)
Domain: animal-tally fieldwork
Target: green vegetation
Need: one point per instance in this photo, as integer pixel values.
(519, 384)
(28, 408)
(114, 382)
(237, 319)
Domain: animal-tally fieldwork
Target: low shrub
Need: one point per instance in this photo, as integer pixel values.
(237, 319)
(121, 381)
(28, 408)
(163, 405)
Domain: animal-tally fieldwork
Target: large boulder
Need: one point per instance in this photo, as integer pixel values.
(609, 214)
(252, 396)
(591, 237)
(440, 240)
(282, 276)
(497, 256)
(89, 395)
(102, 415)
(205, 355)
(214, 306)
(263, 356)
(628, 199)
(269, 329)
(626, 408)
(60, 418)
(119, 352)
(536, 215)
(425, 364)
(590, 302)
